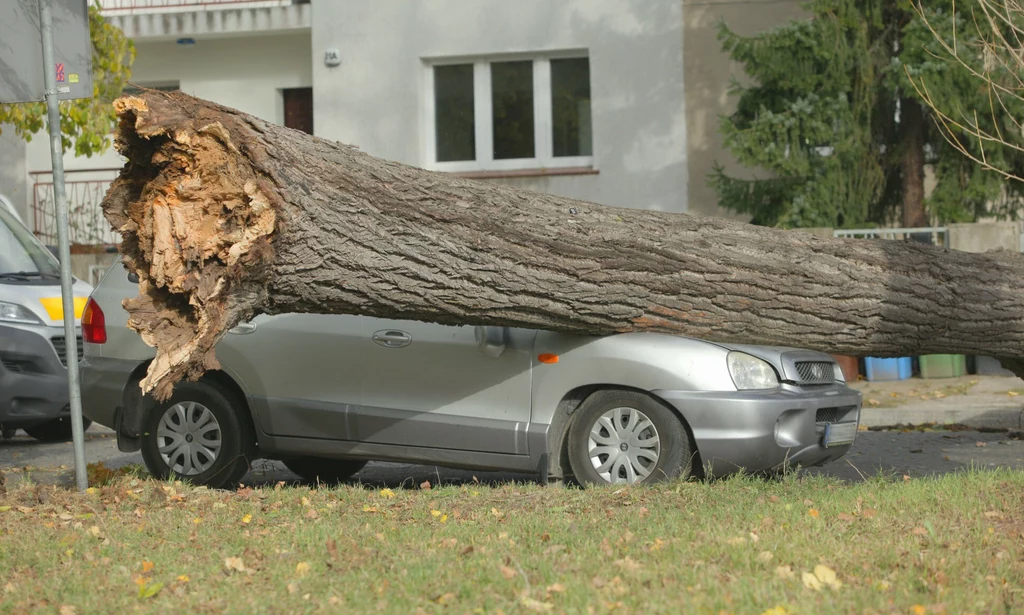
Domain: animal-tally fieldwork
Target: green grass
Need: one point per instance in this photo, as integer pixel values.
(950, 544)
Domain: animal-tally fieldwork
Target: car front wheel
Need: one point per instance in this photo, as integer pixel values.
(627, 437)
(197, 435)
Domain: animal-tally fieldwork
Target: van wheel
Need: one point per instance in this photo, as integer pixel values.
(57, 430)
(197, 435)
(626, 437)
(323, 470)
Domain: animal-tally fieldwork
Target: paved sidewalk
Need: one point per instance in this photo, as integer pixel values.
(985, 402)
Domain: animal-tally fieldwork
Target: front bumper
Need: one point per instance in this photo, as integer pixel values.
(33, 380)
(754, 431)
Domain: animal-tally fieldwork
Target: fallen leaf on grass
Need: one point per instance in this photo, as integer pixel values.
(507, 572)
(776, 610)
(784, 572)
(302, 569)
(536, 605)
(425, 485)
(993, 514)
(467, 551)
(919, 531)
(765, 556)
(918, 609)
(183, 578)
(234, 564)
(813, 512)
(387, 493)
(845, 517)
(149, 590)
(873, 402)
(4, 508)
(1012, 393)
(555, 588)
(293, 587)
(980, 444)
(67, 609)
(332, 548)
(822, 577)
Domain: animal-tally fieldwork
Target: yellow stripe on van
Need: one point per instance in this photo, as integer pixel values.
(54, 307)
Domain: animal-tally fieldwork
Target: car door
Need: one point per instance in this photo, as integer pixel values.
(303, 371)
(435, 386)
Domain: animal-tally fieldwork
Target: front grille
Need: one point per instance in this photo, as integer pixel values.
(816, 372)
(835, 415)
(60, 345)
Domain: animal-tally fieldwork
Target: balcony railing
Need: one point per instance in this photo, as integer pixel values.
(120, 7)
(85, 190)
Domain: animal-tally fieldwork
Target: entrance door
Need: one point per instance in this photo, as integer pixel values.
(298, 109)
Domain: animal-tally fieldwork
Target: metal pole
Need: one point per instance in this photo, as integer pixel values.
(63, 243)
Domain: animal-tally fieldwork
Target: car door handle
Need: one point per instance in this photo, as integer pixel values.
(390, 338)
(244, 328)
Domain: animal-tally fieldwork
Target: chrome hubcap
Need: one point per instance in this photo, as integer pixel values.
(624, 446)
(188, 438)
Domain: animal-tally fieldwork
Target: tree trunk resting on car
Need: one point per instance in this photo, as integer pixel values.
(225, 216)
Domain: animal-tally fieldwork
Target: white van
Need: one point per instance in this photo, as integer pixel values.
(33, 372)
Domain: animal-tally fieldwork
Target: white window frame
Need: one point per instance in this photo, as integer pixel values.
(544, 157)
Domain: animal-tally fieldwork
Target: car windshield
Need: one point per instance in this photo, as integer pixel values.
(21, 253)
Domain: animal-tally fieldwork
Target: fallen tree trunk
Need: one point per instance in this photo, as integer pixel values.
(224, 216)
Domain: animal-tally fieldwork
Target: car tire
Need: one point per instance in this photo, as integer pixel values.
(627, 437)
(324, 470)
(199, 435)
(57, 430)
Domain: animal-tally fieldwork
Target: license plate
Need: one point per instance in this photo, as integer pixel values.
(839, 434)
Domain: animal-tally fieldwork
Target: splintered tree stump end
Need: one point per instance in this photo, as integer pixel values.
(196, 222)
(224, 216)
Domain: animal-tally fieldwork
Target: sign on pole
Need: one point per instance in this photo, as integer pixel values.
(21, 50)
(45, 53)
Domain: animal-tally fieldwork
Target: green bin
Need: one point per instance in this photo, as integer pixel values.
(943, 365)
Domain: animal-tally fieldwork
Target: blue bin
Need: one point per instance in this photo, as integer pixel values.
(887, 369)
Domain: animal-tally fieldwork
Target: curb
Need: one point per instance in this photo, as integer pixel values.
(990, 417)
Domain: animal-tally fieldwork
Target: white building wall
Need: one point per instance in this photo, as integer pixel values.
(376, 98)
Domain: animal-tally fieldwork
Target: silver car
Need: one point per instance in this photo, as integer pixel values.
(325, 394)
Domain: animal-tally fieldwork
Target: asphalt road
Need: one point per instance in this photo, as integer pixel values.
(914, 454)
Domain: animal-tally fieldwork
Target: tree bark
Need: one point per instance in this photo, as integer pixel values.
(224, 216)
(912, 128)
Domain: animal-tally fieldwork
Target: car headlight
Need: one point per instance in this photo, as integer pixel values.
(840, 377)
(750, 373)
(12, 312)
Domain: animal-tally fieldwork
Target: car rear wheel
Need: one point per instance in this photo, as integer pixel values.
(626, 437)
(57, 430)
(322, 470)
(197, 435)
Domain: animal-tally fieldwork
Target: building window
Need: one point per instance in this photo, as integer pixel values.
(509, 114)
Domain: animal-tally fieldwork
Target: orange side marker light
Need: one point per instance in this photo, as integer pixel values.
(547, 358)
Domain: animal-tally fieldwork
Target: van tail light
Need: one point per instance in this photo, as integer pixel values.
(94, 325)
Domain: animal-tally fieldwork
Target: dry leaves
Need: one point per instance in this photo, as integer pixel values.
(822, 577)
(507, 572)
(234, 564)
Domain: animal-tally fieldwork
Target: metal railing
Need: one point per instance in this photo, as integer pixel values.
(132, 6)
(935, 235)
(87, 226)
